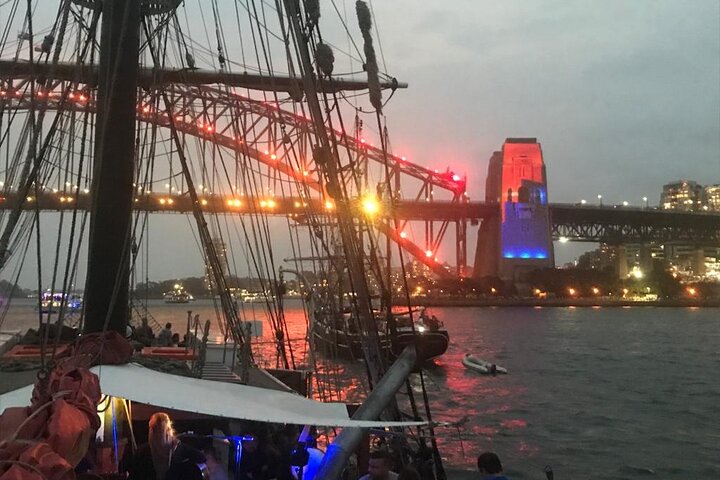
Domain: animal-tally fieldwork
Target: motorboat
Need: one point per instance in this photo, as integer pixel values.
(178, 295)
(52, 301)
(479, 365)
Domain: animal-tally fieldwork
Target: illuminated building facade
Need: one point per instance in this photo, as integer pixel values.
(519, 241)
(712, 198)
(685, 195)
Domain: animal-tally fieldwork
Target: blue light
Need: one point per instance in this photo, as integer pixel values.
(526, 254)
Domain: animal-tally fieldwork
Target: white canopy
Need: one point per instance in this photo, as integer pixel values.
(140, 384)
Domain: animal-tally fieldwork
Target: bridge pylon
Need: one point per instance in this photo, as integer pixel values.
(519, 239)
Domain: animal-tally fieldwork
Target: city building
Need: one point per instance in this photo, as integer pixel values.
(712, 198)
(684, 195)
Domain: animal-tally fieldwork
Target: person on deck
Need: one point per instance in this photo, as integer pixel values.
(255, 461)
(144, 333)
(379, 465)
(490, 467)
(165, 457)
(164, 338)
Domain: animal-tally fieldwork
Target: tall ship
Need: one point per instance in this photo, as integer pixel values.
(114, 110)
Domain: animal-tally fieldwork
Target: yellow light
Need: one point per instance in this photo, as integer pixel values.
(329, 205)
(571, 291)
(29, 199)
(493, 290)
(170, 201)
(537, 291)
(691, 291)
(237, 203)
(273, 157)
(263, 203)
(595, 290)
(403, 235)
(162, 201)
(428, 253)
(296, 204)
(230, 203)
(370, 205)
(203, 202)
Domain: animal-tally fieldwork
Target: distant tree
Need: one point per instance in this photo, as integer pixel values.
(663, 282)
(8, 289)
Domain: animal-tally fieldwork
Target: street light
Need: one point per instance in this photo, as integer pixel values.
(645, 199)
(600, 199)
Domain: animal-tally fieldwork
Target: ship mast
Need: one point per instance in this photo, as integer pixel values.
(327, 162)
(106, 284)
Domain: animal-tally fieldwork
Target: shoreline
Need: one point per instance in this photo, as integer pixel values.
(559, 302)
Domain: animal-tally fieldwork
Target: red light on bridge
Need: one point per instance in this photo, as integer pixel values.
(456, 178)
(428, 253)
(403, 235)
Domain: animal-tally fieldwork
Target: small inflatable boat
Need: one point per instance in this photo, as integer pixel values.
(479, 365)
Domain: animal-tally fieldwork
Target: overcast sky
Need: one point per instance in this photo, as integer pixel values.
(624, 96)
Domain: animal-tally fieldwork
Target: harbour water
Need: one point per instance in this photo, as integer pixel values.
(597, 393)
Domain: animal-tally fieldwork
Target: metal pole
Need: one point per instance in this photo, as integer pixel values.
(106, 285)
(382, 395)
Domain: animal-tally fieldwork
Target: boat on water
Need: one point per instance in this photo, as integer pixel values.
(52, 302)
(472, 362)
(339, 334)
(178, 295)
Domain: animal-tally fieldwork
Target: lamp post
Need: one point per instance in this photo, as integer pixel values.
(645, 199)
(600, 199)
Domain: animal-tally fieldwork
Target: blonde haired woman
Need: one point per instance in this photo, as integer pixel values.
(165, 457)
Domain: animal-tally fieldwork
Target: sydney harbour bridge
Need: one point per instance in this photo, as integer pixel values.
(228, 116)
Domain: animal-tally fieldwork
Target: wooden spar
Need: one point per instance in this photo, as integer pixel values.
(157, 77)
(106, 284)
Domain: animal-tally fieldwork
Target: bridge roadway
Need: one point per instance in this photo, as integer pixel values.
(609, 224)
